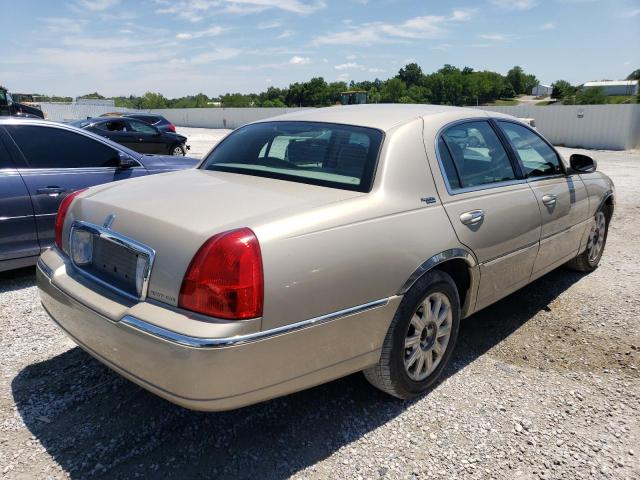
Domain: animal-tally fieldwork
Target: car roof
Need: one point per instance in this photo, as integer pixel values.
(380, 116)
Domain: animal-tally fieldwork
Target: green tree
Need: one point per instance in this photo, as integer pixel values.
(392, 90)
(521, 82)
(153, 100)
(561, 89)
(635, 75)
(591, 96)
(411, 74)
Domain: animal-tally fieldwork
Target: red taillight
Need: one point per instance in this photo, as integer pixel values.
(171, 127)
(225, 278)
(62, 213)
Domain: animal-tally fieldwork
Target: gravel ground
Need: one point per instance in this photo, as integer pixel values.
(544, 384)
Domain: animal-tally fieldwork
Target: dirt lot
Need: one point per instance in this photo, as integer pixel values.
(544, 384)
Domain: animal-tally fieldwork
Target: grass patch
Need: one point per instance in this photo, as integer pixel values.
(616, 99)
(502, 102)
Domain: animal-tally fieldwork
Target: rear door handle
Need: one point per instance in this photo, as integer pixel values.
(473, 217)
(549, 200)
(51, 191)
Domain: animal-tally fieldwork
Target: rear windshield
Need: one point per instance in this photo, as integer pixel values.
(331, 155)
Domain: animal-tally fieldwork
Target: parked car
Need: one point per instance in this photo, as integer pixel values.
(42, 162)
(11, 108)
(317, 244)
(136, 134)
(154, 119)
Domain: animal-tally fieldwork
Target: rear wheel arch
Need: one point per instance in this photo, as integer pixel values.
(460, 265)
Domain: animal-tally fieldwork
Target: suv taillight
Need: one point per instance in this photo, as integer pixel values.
(171, 127)
(225, 278)
(62, 213)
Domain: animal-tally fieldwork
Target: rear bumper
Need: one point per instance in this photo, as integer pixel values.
(217, 373)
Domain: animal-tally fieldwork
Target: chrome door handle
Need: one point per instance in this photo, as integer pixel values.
(549, 200)
(472, 217)
(51, 191)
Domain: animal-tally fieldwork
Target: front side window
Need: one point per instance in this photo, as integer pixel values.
(537, 157)
(48, 147)
(140, 127)
(472, 155)
(338, 156)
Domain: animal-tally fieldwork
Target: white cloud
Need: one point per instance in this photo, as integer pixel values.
(287, 34)
(215, 55)
(351, 57)
(375, 70)
(633, 13)
(96, 5)
(423, 27)
(495, 37)
(548, 26)
(515, 4)
(441, 47)
(196, 10)
(209, 32)
(268, 25)
(349, 66)
(296, 60)
(64, 25)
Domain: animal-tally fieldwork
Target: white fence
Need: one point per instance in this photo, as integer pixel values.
(219, 117)
(64, 112)
(606, 127)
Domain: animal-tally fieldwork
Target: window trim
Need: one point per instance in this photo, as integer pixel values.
(291, 178)
(520, 179)
(564, 172)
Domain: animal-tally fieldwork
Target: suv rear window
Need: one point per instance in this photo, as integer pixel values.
(331, 155)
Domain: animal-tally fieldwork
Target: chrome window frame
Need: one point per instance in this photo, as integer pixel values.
(457, 191)
(126, 242)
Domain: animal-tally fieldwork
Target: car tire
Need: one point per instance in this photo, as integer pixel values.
(404, 369)
(588, 260)
(176, 151)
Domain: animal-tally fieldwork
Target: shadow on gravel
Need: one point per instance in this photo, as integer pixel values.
(96, 424)
(17, 279)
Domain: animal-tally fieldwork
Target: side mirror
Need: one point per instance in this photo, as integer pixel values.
(582, 163)
(125, 161)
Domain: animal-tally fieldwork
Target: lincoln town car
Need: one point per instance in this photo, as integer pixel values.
(316, 244)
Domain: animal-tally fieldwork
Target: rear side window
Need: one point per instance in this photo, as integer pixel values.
(338, 156)
(537, 157)
(472, 155)
(141, 127)
(47, 147)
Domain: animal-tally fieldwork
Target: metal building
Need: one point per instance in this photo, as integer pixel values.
(615, 87)
(542, 90)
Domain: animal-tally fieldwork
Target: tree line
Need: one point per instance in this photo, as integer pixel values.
(449, 85)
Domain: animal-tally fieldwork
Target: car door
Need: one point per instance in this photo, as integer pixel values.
(562, 198)
(490, 205)
(149, 138)
(57, 161)
(18, 235)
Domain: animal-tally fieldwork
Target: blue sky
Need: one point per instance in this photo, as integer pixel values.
(180, 47)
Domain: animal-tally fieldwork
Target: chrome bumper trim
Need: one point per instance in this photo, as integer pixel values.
(198, 342)
(44, 268)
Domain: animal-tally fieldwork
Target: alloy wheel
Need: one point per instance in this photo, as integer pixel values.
(427, 336)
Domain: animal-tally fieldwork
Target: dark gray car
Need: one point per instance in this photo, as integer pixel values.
(40, 163)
